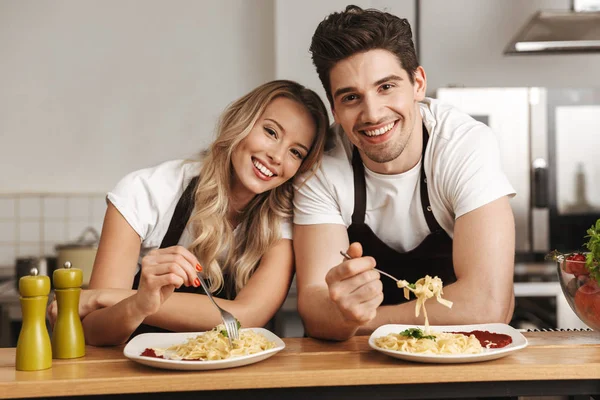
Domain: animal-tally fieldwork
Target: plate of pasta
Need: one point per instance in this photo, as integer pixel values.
(447, 344)
(203, 350)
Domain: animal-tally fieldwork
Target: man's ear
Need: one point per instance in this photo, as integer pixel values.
(420, 85)
(335, 119)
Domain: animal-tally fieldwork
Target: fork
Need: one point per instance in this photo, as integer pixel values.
(228, 320)
(347, 257)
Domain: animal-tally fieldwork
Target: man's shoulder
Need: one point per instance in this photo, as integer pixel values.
(449, 127)
(338, 157)
(336, 164)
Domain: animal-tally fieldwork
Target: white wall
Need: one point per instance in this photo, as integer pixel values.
(90, 90)
(462, 43)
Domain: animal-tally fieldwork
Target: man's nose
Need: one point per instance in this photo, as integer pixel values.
(371, 110)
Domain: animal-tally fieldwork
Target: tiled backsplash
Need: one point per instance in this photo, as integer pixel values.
(33, 224)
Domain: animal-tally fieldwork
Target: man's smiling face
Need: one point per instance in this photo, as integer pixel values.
(375, 102)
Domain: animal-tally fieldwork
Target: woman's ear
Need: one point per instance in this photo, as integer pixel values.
(420, 85)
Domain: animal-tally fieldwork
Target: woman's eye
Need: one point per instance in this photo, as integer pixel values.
(297, 154)
(271, 132)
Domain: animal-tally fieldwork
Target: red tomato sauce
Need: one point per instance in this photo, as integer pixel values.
(489, 339)
(150, 353)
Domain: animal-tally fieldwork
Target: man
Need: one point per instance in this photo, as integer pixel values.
(413, 187)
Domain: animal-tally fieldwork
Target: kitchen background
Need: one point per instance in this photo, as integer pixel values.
(91, 90)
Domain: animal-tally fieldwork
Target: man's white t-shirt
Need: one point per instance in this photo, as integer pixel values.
(147, 199)
(462, 166)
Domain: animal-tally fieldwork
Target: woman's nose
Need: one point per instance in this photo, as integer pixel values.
(275, 153)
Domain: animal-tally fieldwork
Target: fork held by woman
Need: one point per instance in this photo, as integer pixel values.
(229, 320)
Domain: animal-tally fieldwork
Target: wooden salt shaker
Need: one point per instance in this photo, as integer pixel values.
(34, 351)
(67, 337)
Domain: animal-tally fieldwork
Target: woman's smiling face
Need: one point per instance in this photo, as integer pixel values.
(274, 149)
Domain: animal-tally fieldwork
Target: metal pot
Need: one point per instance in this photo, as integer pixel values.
(80, 253)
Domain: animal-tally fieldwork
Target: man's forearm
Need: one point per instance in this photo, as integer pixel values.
(322, 318)
(112, 325)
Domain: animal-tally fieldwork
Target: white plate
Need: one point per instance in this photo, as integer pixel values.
(138, 344)
(518, 342)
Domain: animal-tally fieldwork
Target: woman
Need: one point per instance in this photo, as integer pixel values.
(227, 215)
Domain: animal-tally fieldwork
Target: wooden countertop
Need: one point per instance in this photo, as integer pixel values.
(564, 355)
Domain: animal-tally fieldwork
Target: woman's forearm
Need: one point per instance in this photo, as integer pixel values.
(187, 312)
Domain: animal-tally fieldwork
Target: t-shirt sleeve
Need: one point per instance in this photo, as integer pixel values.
(286, 229)
(474, 175)
(145, 196)
(315, 201)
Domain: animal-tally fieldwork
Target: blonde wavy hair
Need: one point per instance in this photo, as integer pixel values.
(262, 217)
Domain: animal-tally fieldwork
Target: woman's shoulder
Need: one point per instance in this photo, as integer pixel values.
(144, 196)
(170, 176)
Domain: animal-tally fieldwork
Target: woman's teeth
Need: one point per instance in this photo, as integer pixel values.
(262, 168)
(380, 131)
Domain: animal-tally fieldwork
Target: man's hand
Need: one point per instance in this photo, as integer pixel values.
(88, 302)
(355, 287)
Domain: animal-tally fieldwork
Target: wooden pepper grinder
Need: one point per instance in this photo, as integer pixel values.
(34, 351)
(67, 337)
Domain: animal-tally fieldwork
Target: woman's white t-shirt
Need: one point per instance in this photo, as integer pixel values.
(147, 199)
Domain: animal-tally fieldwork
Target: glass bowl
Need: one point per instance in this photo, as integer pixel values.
(579, 288)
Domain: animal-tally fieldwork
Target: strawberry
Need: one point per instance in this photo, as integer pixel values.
(575, 264)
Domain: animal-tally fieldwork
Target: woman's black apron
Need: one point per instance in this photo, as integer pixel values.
(181, 215)
(432, 257)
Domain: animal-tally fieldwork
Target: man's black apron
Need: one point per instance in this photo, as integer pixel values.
(432, 257)
(181, 215)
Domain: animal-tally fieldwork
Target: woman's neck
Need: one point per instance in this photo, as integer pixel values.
(237, 205)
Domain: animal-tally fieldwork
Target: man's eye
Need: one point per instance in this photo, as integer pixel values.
(387, 86)
(271, 132)
(348, 98)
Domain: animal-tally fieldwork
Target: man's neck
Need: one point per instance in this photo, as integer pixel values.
(409, 157)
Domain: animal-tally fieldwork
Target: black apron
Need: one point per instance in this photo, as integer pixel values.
(181, 215)
(432, 257)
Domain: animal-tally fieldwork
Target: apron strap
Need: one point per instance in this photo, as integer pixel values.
(182, 213)
(360, 189)
(432, 223)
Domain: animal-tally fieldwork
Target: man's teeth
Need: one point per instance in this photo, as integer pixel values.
(262, 168)
(380, 131)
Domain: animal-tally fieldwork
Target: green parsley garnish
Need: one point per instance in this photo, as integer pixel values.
(224, 331)
(416, 333)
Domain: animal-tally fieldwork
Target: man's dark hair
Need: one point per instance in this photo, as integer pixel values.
(343, 34)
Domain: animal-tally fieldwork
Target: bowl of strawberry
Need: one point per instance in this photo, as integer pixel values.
(579, 277)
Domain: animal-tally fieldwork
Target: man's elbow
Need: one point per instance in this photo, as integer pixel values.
(493, 310)
(318, 324)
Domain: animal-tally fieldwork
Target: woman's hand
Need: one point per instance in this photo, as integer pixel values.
(164, 270)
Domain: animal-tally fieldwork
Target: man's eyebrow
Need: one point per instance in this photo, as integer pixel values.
(283, 130)
(348, 89)
(341, 91)
(387, 79)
